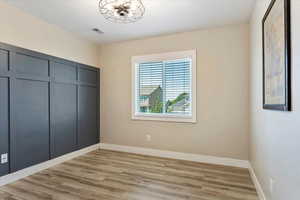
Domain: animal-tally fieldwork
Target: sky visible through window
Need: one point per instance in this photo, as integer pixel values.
(165, 87)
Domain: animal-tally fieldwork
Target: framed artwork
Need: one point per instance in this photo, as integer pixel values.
(277, 56)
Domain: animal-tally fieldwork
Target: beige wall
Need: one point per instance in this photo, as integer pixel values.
(275, 136)
(23, 30)
(222, 94)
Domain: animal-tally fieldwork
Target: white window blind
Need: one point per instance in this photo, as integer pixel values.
(150, 88)
(164, 88)
(177, 88)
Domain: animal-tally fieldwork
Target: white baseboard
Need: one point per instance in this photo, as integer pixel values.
(39, 167)
(258, 187)
(177, 155)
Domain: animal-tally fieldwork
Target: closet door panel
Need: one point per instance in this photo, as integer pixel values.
(3, 61)
(64, 119)
(30, 65)
(4, 120)
(30, 135)
(63, 72)
(87, 75)
(87, 111)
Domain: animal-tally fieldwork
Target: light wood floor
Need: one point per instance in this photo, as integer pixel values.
(108, 175)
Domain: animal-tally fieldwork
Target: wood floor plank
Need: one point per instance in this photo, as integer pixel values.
(110, 175)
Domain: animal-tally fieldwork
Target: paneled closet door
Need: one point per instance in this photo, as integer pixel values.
(4, 110)
(29, 141)
(4, 106)
(88, 110)
(63, 108)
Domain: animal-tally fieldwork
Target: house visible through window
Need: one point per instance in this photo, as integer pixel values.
(164, 87)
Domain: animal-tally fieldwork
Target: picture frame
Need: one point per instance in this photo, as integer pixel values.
(276, 28)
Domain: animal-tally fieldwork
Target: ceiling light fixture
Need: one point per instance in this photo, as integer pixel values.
(122, 11)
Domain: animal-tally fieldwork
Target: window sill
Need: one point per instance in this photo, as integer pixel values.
(164, 118)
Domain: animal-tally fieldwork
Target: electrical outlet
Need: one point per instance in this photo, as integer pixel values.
(148, 137)
(4, 158)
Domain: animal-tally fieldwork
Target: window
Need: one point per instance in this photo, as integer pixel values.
(164, 87)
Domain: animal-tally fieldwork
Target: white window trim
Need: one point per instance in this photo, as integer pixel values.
(162, 57)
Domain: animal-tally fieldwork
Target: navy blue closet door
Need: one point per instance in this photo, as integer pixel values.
(30, 135)
(63, 100)
(4, 168)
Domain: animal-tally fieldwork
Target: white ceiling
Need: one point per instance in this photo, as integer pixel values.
(161, 17)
